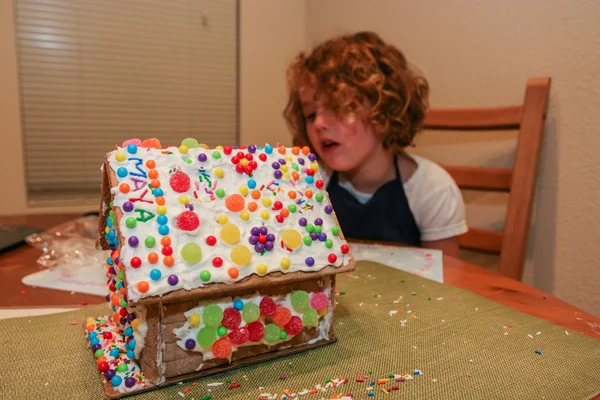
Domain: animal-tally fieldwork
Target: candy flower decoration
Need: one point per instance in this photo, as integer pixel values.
(261, 239)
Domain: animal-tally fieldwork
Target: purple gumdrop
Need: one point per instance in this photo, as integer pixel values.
(97, 346)
(269, 246)
(275, 165)
(281, 161)
(322, 236)
(259, 247)
(277, 174)
(117, 260)
(312, 157)
(253, 239)
(202, 157)
(314, 235)
(310, 261)
(328, 209)
(130, 318)
(113, 246)
(133, 315)
(130, 382)
(108, 374)
(302, 221)
(318, 221)
(189, 207)
(107, 297)
(125, 298)
(173, 280)
(128, 206)
(251, 148)
(255, 231)
(123, 320)
(301, 161)
(133, 241)
(270, 237)
(190, 344)
(263, 230)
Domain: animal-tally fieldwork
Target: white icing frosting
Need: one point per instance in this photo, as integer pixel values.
(140, 333)
(187, 331)
(208, 208)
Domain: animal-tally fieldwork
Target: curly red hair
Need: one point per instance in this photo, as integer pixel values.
(353, 70)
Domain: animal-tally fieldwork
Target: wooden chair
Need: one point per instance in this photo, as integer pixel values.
(519, 181)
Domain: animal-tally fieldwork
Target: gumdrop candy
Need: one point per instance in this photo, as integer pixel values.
(294, 327)
(267, 307)
(231, 318)
(272, 333)
(310, 317)
(300, 300)
(282, 316)
(180, 182)
(135, 141)
(319, 301)
(250, 312)
(152, 143)
(239, 336)
(222, 348)
(206, 336)
(212, 315)
(256, 331)
(188, 221)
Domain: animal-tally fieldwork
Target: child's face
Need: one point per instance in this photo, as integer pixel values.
(342, 144)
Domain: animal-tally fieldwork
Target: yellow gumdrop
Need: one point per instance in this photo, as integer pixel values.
(267, 202)
(241, 255)
(245, 216)
(222, 219)
(291, 238)
(161, 210)
(230, 234)
(244, 162)
(219, 148)
(314, 166)
(284, 168)
(287, 175)
(285, 263)
(90, 321)
(184, 200)
(261, 269)
(135, 323)
(183, 149)
(264, 214)
(289, 158)
(120, 157)
(244, 190)
(194, 320)
(219, 172)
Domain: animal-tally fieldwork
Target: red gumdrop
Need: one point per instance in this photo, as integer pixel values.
(280, 218)
(231, 318)
(103, 366)
(282, 316)
(188, 221)
(180, 182)
(256, 331)
(253, 165)
(248, 170)
(267, 307)
(239, 336)
(239, 168)
(262, 157)
(319, 301)
(222, 348)
(108, 335)
(227, 149)
(294, 327)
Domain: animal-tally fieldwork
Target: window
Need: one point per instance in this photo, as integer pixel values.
(94, 73)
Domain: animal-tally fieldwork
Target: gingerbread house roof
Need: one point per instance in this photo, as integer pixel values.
(190, 220)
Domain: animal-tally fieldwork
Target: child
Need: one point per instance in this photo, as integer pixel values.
(355, 102)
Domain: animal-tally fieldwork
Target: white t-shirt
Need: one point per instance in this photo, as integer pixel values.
(433, 197)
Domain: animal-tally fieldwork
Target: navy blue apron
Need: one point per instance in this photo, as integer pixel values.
(386, 216)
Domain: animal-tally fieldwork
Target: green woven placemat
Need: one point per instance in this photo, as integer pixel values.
(467, 347)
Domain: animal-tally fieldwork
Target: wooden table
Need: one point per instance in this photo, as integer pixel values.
(16, 264)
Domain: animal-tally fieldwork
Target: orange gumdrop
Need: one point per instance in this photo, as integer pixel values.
(222, 348)
(124, 188)
(281, 149)
(285, 213)
(292, 194)
(151, 164)
(252, 206)
(165, 241)
(153, 258)
(143, 286)
(295, 175)
(160, 201)
(256, 194)
(296, 150)
(233, 272)
(90, 328)
(151, 143)
(305, 150)
(235, 203)
(123, 291)
(169, 261)
(282, 316)
(155, 183)
(153, 174)
(308, 193)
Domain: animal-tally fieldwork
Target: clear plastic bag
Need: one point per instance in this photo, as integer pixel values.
(71, 243)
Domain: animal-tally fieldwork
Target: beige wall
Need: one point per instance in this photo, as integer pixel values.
(481, 53)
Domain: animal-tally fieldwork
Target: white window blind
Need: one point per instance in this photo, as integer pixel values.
(94, 73)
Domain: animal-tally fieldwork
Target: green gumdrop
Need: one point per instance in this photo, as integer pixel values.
(121, 275)
(205, 276)
(319, 197)
(296, 167)
(318, 229)
(131, 222)
(212, 315)
(150, 241)
(250, 312)
(300, 300)
(282, 334)
(329, 243)
(310, 228)
(190, 143)
(122, 368)
(187, 160)
(220, 193)
(191, 253)
(310, 317)
(271, 333)
(124, 304)
(222, 331)
(292, 208)
(99, 353)
(206, 336)
(335, 230)
(216, 155)
(307, 240)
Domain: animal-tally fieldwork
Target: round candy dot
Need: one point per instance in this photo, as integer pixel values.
(191, 143)
(163, 230)
(162, 219)
(183, 149)
(211, 240)
(122, 368)
(294, 327)
(319, 197)
(206, 336)
(319, 301)
(264, 214)
(120, 157)
(143, 286)
(133, 241)
(212, 315)
(310, 261)
(241, 255)
(243, 190)
(153, 174)
(308, 194)
(222, 219)
(239, 336)
(256, 331)
(329, 243)
(281, 150)
(233, 272)
(155, 274)
(222, 348)
(190, 344)
(267, 307)
(131, 222)
(167, 251)
(328, 209)
(252, 206)
(291, 238)
(238, 305)
(292, 208)
(266, 202)
(278, 174)
(221, 331)
(302, 221)
(245, 216)
(165, 241)
(169, 261)
(344, 248)
(205, 276)
(161, 210)
(99, 353)
(299, 300)
(310, 317)
(235, 202)
(283, 335)
(285, 263)
(155, 183)
(312, 157)
(282, 316)
(261, 269)
(335, 230)
(122, 172)
(271, 334)
(307, 240)
(217, 262)
(153, 258)
(194, 320)
(130, 382)
(230, 234)
(216, 155)
(268, 149)
(184, 200)
(128, 206)
(103, 366)
(252, 184)
(136, 262)
(173, 280)
(188, 221)
(219, 173)
(180, 182)
(309, 179)
(191, 252)
(255, 194)
(310, 228)
(231, 318)
(116, 381)
(332, 258)
(202, 157)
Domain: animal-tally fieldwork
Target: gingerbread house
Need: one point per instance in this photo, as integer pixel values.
(219, 258)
